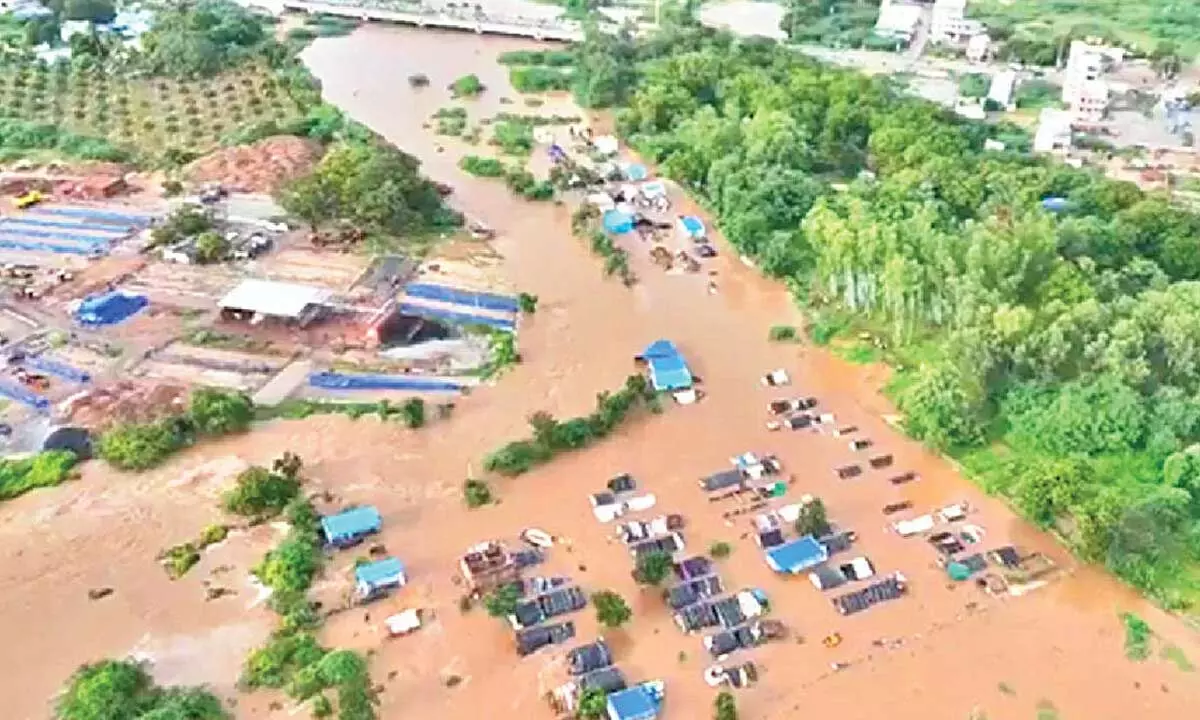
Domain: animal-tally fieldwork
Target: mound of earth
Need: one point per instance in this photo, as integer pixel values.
(260, 167)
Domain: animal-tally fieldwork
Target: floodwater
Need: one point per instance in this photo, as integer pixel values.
(946, 652)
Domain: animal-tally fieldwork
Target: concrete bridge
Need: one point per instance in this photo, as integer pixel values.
(478, 22)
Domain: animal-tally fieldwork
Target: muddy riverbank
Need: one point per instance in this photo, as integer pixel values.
(957, 651)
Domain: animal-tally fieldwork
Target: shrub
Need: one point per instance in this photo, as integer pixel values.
(513, 137)
(720, 550)
(476, 493)
(134, 446)
(725, 708)
(412, 412)
(782, 333)
(260, 493)
(467, 86)
(539, 79)
(482, 166)
(812, 519)
(46, 469)
(502, 601)
(178, 559)
(213, 534)
(611, 610)
(528, 303)
(653, 567)
(125, 689)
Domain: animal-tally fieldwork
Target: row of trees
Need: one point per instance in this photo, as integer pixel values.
(1058, 354)
(210, 412)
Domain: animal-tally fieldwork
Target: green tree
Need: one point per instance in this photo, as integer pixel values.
(220, 412)
(124, 689)
(812, 519)
(260, 493)
(466, 86)
(413, 412)
(593, 704)
(132, 446)
(312, 198)
(97, 11)
(502, 601)
(611, 610)
(653, 567)
(725, 707)
(211, 247)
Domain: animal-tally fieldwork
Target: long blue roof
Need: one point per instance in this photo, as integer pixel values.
(668, 371)
(797, 555)
(349, 523)
(381, 571)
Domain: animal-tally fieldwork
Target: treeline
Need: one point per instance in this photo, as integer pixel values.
(139, 446)
(1057, 355)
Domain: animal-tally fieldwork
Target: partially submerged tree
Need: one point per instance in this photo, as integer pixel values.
(112, 689)
(725, 707)
(653, 567)
(812, 519)
(611, 610)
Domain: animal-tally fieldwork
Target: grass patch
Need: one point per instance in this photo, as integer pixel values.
(1137, 637)
(479, 166)
(514, 137)
(467, 86)
(551, 437)
(538, 79)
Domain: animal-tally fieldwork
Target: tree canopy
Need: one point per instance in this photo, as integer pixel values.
(1057, 354)
(201, 38)
(124, 689)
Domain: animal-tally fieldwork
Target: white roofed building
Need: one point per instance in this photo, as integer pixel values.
(270, 299)
(948, 23)
(898, 20)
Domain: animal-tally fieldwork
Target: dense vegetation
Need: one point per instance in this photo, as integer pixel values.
(372, 186)
(202, 38)
(836, 23)
(139, 446)
(1143, 24)
(45, 469)
(124, 689)
(551, 437)
(1056, 355)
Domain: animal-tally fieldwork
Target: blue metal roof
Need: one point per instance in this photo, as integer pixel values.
(349, 523)
(797, 555)
(692, 225)
(382, 571)
(635, 703)
(668, 371)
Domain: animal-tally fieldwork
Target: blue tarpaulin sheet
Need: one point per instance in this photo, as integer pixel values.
(444, 293)
(345, 381)
(8, 228)
(109, 308)
(458, 318)
(23, 396)
(33, 246)
(35, 221)
(107, 216)
(56, 367)
(1056, 204)
(618, 222)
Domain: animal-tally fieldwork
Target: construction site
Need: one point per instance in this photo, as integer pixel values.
(118, 301)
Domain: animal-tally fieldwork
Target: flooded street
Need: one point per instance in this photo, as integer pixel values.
(958, 650)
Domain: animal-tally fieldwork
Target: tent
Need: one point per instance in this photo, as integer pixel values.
(618, 222)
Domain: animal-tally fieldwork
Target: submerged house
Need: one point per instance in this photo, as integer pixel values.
(797, 555)
(349, 527)
(375, 578)
(640, 702)
(668, 371)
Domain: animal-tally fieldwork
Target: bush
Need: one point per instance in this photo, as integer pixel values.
(725, 708)
(467, 86)
(413, 413)
(539, 79)
(260, 493)
(552, 58)
(812, 519)
(45, 469)
(476, 493)
(720, 550)
(782, 333)
(528, 303)
(451, 121)
(172, 188)
(134, 446)
(178, 559)
(611, 610)
(513, 137)
(502, 602)
(481, 166)
(653, 567)
(213, 534)
(211, 247)
(974, 85)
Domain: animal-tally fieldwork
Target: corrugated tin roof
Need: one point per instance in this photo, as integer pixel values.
(356, 521)
(277, 299)
(797, 555)
(382, 571)
(635, 703)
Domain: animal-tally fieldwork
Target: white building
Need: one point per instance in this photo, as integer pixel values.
(898, 20)
(1001, 90)
(1053, 132)
(979, 47)
(1085, 90)
(949, 23)
(71, 28)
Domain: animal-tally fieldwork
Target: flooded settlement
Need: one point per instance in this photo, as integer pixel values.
(918, 596)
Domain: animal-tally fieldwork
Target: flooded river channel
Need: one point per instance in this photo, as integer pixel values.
(945, 651)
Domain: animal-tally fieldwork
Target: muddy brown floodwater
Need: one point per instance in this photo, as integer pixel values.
(961, 652)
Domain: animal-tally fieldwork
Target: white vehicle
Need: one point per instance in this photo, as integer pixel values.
(906, 528)
(537, 538)
(404, 622)
(776, 378)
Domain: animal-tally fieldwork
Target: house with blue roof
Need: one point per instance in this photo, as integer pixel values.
(691, 227)
(668, 371)
(349, 527)
(640, 702)
(797, 555)
(376, 578)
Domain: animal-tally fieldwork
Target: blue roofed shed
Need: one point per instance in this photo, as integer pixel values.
(640, 702)
(350, 526)
(797, 556)
(668, 371)
(618, 222)
(370, 578)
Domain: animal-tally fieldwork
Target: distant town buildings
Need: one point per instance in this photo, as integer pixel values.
(1053, 132)
(949, 23)
(1085, 90)
(1003, 85)
(979, 47)
(898, 19)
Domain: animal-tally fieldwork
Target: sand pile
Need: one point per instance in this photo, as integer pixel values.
(124, 401)
(260, 167)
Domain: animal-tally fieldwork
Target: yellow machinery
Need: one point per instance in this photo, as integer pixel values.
(29, 199)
